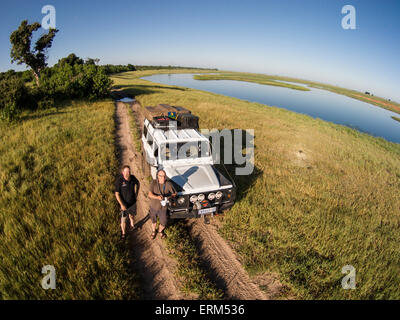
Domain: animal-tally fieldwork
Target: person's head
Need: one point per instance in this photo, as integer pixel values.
(126, 172)
(161, 176)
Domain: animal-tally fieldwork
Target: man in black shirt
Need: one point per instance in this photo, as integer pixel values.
(126, 191)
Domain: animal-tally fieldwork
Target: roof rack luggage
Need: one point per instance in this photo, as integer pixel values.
(188, 121)
(164, 116)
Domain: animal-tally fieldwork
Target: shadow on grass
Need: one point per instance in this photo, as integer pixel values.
(56, 109)
(122, 91)
(41, 115)
(243, 182)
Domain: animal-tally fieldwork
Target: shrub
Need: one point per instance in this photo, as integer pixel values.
(13, 97)
(66, 81)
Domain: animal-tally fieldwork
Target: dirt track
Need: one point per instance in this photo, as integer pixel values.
(151, 262)
(150, 257)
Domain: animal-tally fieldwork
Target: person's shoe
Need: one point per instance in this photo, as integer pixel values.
(153, 235)
(131, 228)
(123, 236)
(163, 235)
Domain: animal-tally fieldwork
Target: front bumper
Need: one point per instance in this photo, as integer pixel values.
(193, 213)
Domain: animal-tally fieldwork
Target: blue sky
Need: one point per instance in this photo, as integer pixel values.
(299, 38)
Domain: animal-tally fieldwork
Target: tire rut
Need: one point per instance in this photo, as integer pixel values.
(223, 264)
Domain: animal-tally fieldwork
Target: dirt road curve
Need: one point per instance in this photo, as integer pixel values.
(151, 258)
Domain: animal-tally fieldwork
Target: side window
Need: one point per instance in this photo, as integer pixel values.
(150, 139)
(156, 151)
(145, 131)
(147, 136)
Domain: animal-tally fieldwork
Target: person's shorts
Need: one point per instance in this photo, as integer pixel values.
(129, 211)
(161, 214)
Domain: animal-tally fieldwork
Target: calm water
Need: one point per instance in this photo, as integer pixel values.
(126, 100)
(316, 103)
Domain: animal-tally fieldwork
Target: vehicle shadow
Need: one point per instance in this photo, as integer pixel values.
(230, 169)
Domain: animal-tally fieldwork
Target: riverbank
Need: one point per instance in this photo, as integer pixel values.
(396, 118)
(249, 78)
(274, 80)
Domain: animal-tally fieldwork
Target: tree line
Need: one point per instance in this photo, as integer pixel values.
(41, 86)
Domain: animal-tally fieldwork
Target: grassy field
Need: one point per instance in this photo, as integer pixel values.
(321, 196)
(274, 80)
(57, 206)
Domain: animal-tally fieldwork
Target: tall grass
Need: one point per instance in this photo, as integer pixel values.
(57, 206)
(322, 195)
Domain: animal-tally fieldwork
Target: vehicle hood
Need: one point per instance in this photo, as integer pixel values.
(193, 178)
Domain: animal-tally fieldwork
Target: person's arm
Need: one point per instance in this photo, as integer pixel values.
(121, 203)
(172, 190)
(151, 195)
(118, 194)
(137, 186)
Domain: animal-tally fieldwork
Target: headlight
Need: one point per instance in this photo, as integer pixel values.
(211, 196)
(181, 200)
(193, 198)
(200, 197)
(218, 195)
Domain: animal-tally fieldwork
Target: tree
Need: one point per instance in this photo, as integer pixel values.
(72, 60)
(92, 61)
(22, 52)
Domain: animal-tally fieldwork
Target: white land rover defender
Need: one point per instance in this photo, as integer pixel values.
(171, 141)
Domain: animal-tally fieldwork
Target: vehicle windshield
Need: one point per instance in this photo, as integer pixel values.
(184, 150)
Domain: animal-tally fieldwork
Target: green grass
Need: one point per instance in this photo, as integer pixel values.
(136, 136)
(275, 81)
(304, 214)
(396, 118)
(57, 206)
(192, 275)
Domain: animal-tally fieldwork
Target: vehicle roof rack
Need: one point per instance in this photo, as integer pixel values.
(166, 117)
